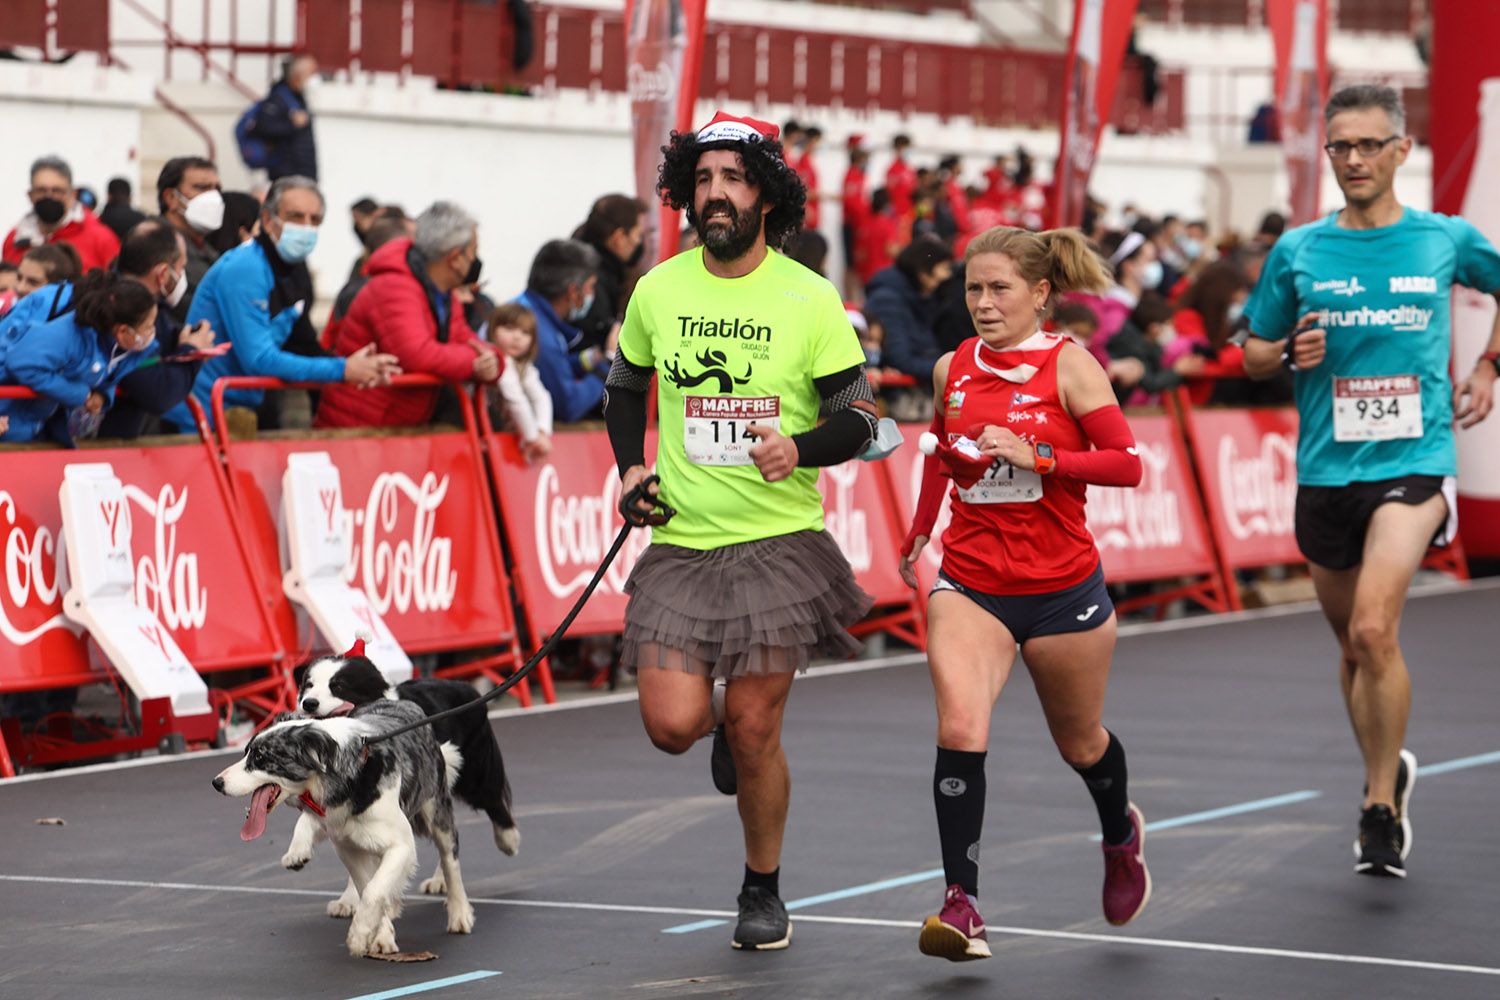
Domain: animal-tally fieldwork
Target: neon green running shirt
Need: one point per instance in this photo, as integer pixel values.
(729, 352)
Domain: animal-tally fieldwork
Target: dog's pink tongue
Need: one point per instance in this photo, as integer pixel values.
(260, 804)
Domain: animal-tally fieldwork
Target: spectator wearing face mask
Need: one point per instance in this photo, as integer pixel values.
(256, 293)
(409, 310)
(56, 216)
(75, 361)
(616, 229)
(559, 292)
(187, 191)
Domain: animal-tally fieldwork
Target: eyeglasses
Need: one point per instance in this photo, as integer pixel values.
(1366, 147)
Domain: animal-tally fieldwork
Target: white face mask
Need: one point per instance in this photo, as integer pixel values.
(205, 212)
(179, 289)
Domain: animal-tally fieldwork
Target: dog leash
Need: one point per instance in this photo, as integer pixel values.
(635, 517)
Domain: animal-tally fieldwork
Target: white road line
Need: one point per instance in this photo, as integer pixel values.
(1436, 589)
(1031, 932)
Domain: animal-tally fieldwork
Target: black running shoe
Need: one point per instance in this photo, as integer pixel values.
(1406, 778)
(764, 925)
(721, 763)
(1379, 843)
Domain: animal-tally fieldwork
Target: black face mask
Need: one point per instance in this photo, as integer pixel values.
(49, 210)
(473, 274)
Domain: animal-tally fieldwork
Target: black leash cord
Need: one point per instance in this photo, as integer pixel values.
(633, 519)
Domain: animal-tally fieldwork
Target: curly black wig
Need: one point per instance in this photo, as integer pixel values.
(765, 164)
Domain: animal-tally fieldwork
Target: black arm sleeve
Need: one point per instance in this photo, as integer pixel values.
(625, 411)
(848, 428)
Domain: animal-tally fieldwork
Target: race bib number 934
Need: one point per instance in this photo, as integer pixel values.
(1379, 408)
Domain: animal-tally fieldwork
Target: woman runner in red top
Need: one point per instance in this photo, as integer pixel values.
(1019, 565)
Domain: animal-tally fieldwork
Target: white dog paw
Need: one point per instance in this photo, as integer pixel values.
(435, 886)
(385, 939)
(461, 920)
(508, 839)
(341, 908)
(295, 858)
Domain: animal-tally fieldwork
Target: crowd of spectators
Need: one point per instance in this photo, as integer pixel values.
(231, 294)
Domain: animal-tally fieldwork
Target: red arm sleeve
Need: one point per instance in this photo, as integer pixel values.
(930, 498)
(1114, 462)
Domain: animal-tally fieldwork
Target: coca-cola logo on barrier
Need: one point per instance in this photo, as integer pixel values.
(166, 580)
(843, 518)
(1258, 491)
(1144, 517)
(574, 532)
(32, 561)
(413, 572)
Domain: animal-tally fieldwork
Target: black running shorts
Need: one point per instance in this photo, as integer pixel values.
(1079, 608)
(1331, 521)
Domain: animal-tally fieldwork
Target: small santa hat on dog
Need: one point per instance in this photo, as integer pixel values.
(358, 649)
(725, 127)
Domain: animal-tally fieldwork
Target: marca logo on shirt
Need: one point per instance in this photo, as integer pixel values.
(1414, 283)
(1340, 286)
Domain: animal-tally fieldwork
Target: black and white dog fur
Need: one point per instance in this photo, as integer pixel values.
(336, 685)
(373, 799)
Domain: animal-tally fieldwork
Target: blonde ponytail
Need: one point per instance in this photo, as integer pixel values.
(1061, 256)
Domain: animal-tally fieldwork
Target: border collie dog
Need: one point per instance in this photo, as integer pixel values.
(370, 799)
(333, 686)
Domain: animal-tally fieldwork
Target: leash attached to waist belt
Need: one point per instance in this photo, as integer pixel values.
(655, 512)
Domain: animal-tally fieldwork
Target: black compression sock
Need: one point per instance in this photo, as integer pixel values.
(958, 792)
(1106, 781)
(771, 882)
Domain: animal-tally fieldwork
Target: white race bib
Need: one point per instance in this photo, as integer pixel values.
(1004, 483)
(713, 427)
(1377, 408)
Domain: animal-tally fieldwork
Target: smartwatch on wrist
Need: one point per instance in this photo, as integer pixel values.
(1493, 357)
(1042, 454)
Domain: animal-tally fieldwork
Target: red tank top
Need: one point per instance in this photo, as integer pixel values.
(1015, 532)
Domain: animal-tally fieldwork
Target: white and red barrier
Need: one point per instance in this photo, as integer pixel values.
(423, 524)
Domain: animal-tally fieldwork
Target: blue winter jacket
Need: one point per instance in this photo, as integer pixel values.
(252, 302)
(63, 361)
(575, 393)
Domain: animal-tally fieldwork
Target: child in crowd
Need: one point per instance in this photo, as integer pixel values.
(9, 278)
(1144, 338)
(524, 405)
(48, 264)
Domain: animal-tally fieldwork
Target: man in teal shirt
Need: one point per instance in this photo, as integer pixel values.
(1356, 304)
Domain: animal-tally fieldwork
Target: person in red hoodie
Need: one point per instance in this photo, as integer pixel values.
(57, 216)
(408, 309)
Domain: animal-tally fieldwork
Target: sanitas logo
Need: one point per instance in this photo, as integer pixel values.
(1404, 318)
(727, 326)
(1414, 283)
(1340, 286)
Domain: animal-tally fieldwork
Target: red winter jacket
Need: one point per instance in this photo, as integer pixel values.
(96, 243)
(395, 313)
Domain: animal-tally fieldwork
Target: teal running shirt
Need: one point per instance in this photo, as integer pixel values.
(1380, 405)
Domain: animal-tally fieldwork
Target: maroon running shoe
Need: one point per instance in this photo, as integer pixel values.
(1127, 883)
(957, 933)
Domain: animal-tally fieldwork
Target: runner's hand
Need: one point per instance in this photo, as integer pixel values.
(1000, 442)
(1474, 397)
(907, 567)
(1310, 345)
(775, 454)
(631, 480)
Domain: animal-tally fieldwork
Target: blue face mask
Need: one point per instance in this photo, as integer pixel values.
(872, 357)
(1236, 310)
(1151, 275)
(296, 242)
(582, 310)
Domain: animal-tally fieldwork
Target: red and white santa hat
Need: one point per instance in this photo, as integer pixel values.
(731, 128)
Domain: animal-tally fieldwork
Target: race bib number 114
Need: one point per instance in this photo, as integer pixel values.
(713, 427)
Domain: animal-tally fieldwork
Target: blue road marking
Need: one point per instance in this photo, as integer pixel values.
(431, 984)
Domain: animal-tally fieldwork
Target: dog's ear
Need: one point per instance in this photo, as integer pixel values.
(322, 748)
(299, 673)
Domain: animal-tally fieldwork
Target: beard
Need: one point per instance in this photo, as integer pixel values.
(733, 241)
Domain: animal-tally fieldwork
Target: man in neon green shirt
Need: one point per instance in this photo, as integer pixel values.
(749, 350)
